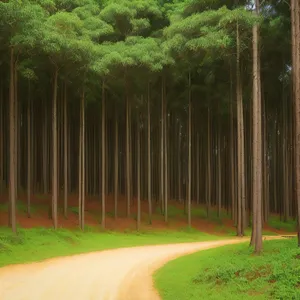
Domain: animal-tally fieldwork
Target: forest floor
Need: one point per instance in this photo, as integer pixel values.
(123, 274)
(177, 218)
(232, 272)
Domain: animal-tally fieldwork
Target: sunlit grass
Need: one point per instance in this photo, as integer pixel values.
(232, 272)
(40, 243)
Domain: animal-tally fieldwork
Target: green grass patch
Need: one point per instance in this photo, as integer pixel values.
(40, 243)
(233, 272)
(196, 212)
(289, 225)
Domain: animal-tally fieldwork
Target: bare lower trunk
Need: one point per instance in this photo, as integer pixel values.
(54, 152)
(116, 183)
(28, 155)
(103, 157)
(65, 154)
(149, 159)
(12, 165)
(189, 154)
(138, 219)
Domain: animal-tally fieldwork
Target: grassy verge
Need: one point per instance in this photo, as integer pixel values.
(232, 272)
(40, 243)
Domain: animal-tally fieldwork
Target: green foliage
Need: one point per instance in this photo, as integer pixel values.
(231, 272)
(41, 243)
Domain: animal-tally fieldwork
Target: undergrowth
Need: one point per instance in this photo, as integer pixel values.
(233, 272)
(40, 243)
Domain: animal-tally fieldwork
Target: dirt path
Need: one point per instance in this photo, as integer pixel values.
(120, 274)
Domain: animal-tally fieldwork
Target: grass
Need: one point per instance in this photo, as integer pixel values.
(233, 272)
(40, 243)
(289, 225)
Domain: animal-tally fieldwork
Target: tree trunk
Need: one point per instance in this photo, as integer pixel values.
(28, 153)
(138, 219)
(103, 156)
(295, 20)
(116, 164)
(241, 159)
(149, 157)
(189, 153)
(54, 152)
(65, 154)
(257, 143)
(128, 173)
(12, 139)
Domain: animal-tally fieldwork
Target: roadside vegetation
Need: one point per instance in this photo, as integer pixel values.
(37, 244)
(231, 272)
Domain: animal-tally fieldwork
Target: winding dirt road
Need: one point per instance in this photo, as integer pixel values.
(120, 274)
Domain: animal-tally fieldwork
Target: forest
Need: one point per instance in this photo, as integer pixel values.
(143, 103)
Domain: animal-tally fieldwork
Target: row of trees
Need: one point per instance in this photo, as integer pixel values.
(189, 100)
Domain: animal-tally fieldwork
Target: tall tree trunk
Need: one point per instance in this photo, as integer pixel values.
(208, 200)
(149, 156)
(12, 139)
(162, 148)
(198, 169)
(103, 156)
(82, 111)
(295, 20)
(65, 154)
(1, 136)
(116, 184)
(28, 153)
(189, 153)
(240, 127)
(257, 142)
(165, 125)
(54, 151)
(138, 219)
(128, 164)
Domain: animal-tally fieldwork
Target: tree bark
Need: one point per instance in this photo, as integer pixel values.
(103, 156)
(257, 142)
(28, 153)
(149, 156)
(54, 151)
(65, 154)
(189, 153)
(12, 139)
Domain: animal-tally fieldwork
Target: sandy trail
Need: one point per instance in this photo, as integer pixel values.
(119, 274)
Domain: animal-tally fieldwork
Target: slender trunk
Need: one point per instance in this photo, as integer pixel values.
(12, 165)
(162, 149)
(165, 123)
(45, 150)
(127, 155)
(208, 200)
(103, 156)
(54, 152)
(189, 154)
(240, 128)
(82, 161)
(138, 220)
(1, 137)
(198, 169)
(257, 143)
(179, 163)
(149, 158)
(116, 164)
(65, 154)
(28, 153)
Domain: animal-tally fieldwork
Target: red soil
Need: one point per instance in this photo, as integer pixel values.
(41, 204)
